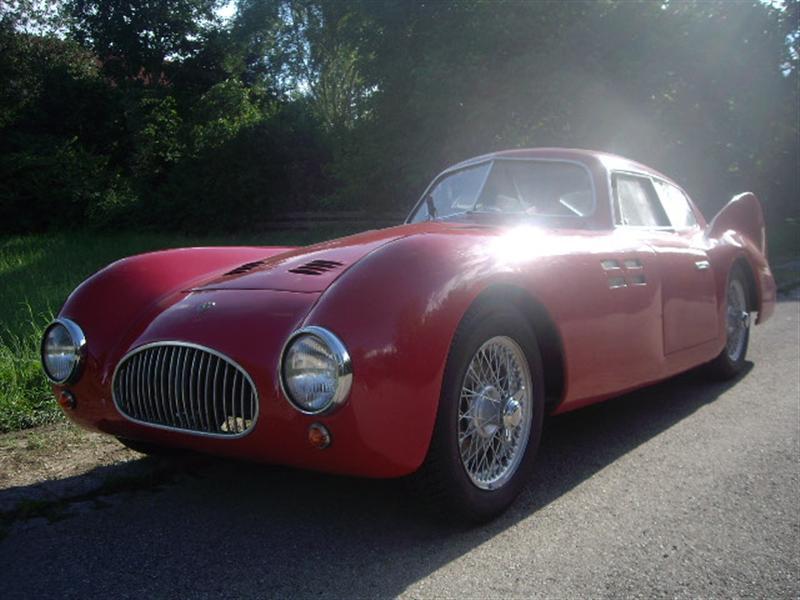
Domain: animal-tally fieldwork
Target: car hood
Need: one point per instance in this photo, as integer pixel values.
(308, 269)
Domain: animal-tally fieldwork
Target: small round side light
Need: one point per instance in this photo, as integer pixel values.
(318, 436)
(67, 400)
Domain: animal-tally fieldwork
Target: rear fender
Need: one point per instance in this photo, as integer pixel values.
(740, 224)
(743, 214)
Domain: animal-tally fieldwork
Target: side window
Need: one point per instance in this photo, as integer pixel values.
(676, 205)
(636, 202)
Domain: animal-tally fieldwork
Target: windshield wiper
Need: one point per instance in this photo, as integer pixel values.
(431, 207)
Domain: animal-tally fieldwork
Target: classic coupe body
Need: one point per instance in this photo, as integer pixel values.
(524, 282)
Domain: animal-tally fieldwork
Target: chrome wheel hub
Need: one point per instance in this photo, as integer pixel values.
(495, 413)
(486, 412)
(738, 320)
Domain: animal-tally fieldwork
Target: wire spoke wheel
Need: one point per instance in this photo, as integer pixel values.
(495, 412)
(489, 420)
(737, 321)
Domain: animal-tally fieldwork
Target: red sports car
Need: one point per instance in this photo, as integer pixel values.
(523, 282)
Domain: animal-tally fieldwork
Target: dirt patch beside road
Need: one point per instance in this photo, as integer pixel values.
(58, 471)
(51, 472)
(55, 452)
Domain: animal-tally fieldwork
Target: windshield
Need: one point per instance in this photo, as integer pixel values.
(520, 187)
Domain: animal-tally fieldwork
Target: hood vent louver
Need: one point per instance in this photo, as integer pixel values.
(316, 267)
(245, 267)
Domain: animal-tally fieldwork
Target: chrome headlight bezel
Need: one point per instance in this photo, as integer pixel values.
(78, 340)
(343, 365)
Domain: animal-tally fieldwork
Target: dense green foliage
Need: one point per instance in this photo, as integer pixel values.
(162, 114)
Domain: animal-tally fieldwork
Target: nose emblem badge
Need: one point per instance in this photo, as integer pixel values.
(206, 306)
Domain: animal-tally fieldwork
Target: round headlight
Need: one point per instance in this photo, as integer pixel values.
(316, 373)
(63, 348)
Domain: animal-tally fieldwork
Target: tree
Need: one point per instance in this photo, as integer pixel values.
(160, 104)
(136, 38)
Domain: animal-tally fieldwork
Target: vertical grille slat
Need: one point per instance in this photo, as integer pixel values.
(204, 424)
(151, 364)
(148, 388)
(193, 378)
(158, 384)
(183, 412)
(197, 386)
(200, 387)
(159, 373)
(224, 393)
(213, 396)
(180, 380)
(154, 409)
(130, 381)
(144, 409)
(232, 409)
(241, 406)
(177, 415)
(174, 381)
(134, 388)
(141, 400)
(194, 392)
(163, 378)
(186, 387)
(138, 385)
(228, 393)
(158, 395)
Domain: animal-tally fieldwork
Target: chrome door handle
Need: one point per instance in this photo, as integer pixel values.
(702, 265)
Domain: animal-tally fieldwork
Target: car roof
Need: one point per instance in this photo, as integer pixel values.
(610, 161)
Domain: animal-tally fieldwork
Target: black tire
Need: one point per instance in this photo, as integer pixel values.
(442, 481)
(731, 361)
(148, 448)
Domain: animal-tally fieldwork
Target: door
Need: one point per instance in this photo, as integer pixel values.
(663, 219)
(605, 297)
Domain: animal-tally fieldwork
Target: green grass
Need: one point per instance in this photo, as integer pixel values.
(37, 273)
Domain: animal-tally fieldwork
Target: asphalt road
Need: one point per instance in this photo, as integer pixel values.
(684, 489)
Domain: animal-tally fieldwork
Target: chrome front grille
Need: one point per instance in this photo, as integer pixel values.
(177, 385)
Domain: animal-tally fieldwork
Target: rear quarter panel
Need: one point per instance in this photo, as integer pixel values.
(738, 231)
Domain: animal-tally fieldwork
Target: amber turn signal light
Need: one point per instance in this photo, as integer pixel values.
(67, 399)
(318, 436)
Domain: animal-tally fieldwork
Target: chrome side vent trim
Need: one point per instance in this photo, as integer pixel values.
(702, 265)
(633, 263)
(609, 264)
(185, 387)
(616, 282)
(316, 267)
(638, 279)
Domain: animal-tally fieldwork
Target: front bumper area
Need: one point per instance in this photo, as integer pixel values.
(250, 327)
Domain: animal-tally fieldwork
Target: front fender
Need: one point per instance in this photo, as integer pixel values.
(396, 312)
